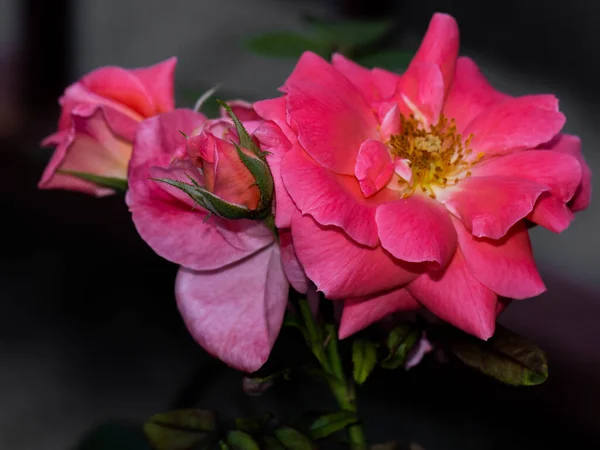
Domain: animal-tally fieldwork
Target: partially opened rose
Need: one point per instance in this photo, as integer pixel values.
(231, 289)
(99, 117)
(415, 190)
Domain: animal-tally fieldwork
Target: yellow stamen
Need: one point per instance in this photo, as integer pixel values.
(437, 155)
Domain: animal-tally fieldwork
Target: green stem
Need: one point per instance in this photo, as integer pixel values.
(342, 390)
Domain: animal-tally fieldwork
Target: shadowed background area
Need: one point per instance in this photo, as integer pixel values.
(89, 331)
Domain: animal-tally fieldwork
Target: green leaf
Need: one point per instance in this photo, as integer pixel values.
(292, 439)
(253, 424)
(184, 429)
(351, 33)
(399, 343)
(118, 184)
(285, 44)
(364, 358)
(506, 356)
(331, 423)
(238, 440)
(394, 60)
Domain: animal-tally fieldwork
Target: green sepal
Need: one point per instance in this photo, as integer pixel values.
(506, 356)
(332, 423)
(364, 358)
(118, 184)
(399, 343)
(184, 429)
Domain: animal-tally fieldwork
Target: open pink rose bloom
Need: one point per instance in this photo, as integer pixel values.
(416, 190)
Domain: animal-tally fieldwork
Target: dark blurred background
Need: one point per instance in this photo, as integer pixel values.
(88, 326)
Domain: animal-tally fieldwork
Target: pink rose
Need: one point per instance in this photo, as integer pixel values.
(415, 190)
(231, 288)
(100, 114)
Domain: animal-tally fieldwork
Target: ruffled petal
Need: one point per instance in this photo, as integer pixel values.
(236, 312)
(159, 81)
(490, 206)
(359, 313)
(293, 269)
(456, 296)
(416, 229)
(506, 266)
(341, 268)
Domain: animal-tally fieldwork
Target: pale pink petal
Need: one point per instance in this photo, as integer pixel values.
(470, 94)
(122, 86)
(418, 352)
(454, 295)
(403, 170)
(339, 267)
(331, 117)
(359, 313)
(293, 269)
(551, 213)
(421, 92)
(440, 46)
(242, 109)
(271, 139)
(358, 75)
(506, 266)
(159, 81)
(374, 167)
(390, 124)
(91, 147)
(174, 229)
(515, 124)
(416, 229)
(558, 171)
(571, 145)
(490, 206)
(236, 312)
(332, 199)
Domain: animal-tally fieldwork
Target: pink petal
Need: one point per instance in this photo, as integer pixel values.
(470, 94)
(506, 266)
(331, 199)
(490, 206)
(358, 75)
(340, 267)
(390, 124)
(440, 46)
(454, 295)
(385, 81)
(91, 147)
(571, 145)
(558, 171)
(242, 109)
(159, 81)
(121, 119)
(359, 313)
(416, 229)
(122, 86)
(502, 304)
(421, 89)
(236, 313)
(274, 109)
(551, 213)
(515, 124)
(293, 269)
(330, 115)
(175, 230)
(374, 167)
(271, 139)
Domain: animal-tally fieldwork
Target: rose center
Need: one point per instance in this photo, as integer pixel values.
(437, 156)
